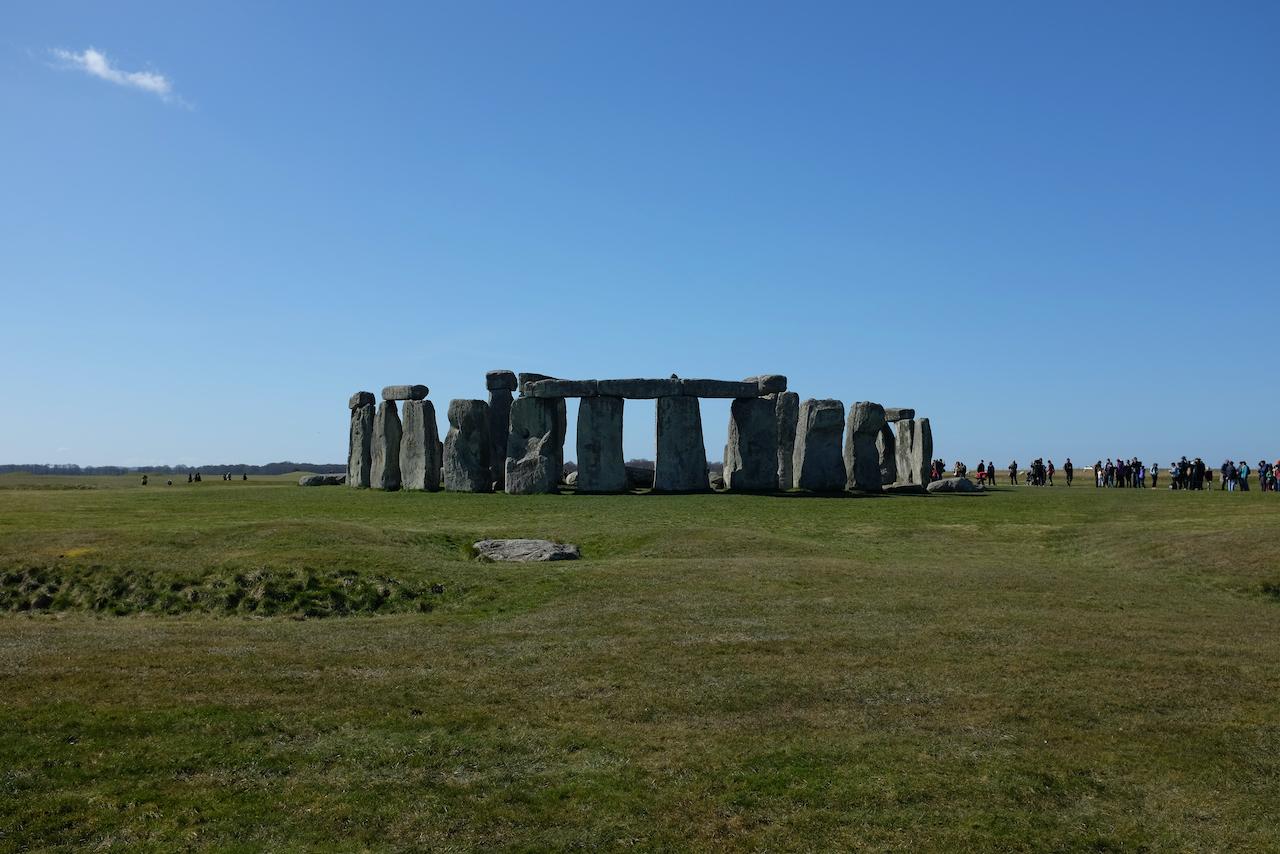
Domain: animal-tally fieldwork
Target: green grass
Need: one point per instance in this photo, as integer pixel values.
(1027, 670)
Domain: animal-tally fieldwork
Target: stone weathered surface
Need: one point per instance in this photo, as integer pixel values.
(571, 479)
(717, 481)
(953, 484)
(817, 460)
(898, 413)
(466, 447)
(526, 377)
(405, 392)
(769, 383)
(562, 431)
(360, 446)
(561, 388)
(915, 451)
(601, 464)
(680, 464)
(787, 415)
(531, 463)
(639, 389)
(718, 388)
(419, 444)
(499, 427)
(524, 551)
(322, 480)
(861, 458)
(639, 477)
(384, 470)
(500, 381)
(886, 453)
(361, 398)
(751, 457)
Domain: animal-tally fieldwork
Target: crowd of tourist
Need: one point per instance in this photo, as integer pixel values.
(1122, 473)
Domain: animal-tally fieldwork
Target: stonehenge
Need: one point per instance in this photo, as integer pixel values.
(751, 457)
(787, 415)
(384, 467)
(817, 460)
(360, 441)
(861, 456)
(601, 464)
(680, 463)
(513, 442)
(419, 447)
(466, 448)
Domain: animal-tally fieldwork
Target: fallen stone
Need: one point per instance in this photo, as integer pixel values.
(898, 413)
(639, 477)
(638, 389)
(561, 388)
(861, 457)
(384, 471)
(680, 464)
(718, 388)
(405, 392)
(601, 463)
(466, 447)
(906, 489)
(524, 551)
(953, 484)
(571, 479)
(817, 460)
(419, 441)
(322, 480)
(500, 381)
(360, 445)
(361, 398)
(787, 415)
(751, 457)
(531, 461)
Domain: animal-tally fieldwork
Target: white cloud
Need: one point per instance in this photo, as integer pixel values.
(94, 62)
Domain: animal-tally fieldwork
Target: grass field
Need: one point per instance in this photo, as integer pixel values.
(255, 666)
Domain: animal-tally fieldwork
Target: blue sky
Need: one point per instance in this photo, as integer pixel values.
(1052, 230)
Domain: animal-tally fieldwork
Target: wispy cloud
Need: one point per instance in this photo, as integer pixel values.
(95, 63)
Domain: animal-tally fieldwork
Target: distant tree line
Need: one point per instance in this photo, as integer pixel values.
(234, 468)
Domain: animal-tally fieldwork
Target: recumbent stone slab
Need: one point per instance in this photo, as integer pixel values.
(405, 392)
(524, 551)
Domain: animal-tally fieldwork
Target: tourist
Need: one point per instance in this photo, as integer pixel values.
(1013, 473)
(1155, 473)
(1069, 470)
(144, 480)
(1049, 472)
(190, 477)
(1242, 476)
(991, 472)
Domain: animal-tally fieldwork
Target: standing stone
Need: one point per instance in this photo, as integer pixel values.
(915, 451)
(680, 464)
(751, 457)
(562, 430)
(499, 425)
(531, 463)
(466, 448)
(887, 454)
(817, 461)
(861, 457)
(384, 471)
(601, 466)
(419, 444)
(787, 413)
(360, 446)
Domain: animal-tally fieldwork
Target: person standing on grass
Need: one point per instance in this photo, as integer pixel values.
(1069, 470)
(1097, 474)
(991, 472)
(1013, 473)
(1242, 476)
(1049, 472)
(1155, 473)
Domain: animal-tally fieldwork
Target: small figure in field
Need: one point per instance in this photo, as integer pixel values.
(144, 480)
(991, 472)
(982, 471)
(168, 483)
(191, 478)
(1242, 476)
(244, 476)
(197, 477)
(1155, 474)
(1069, 470)
(1049, 472)
(1013, 473)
